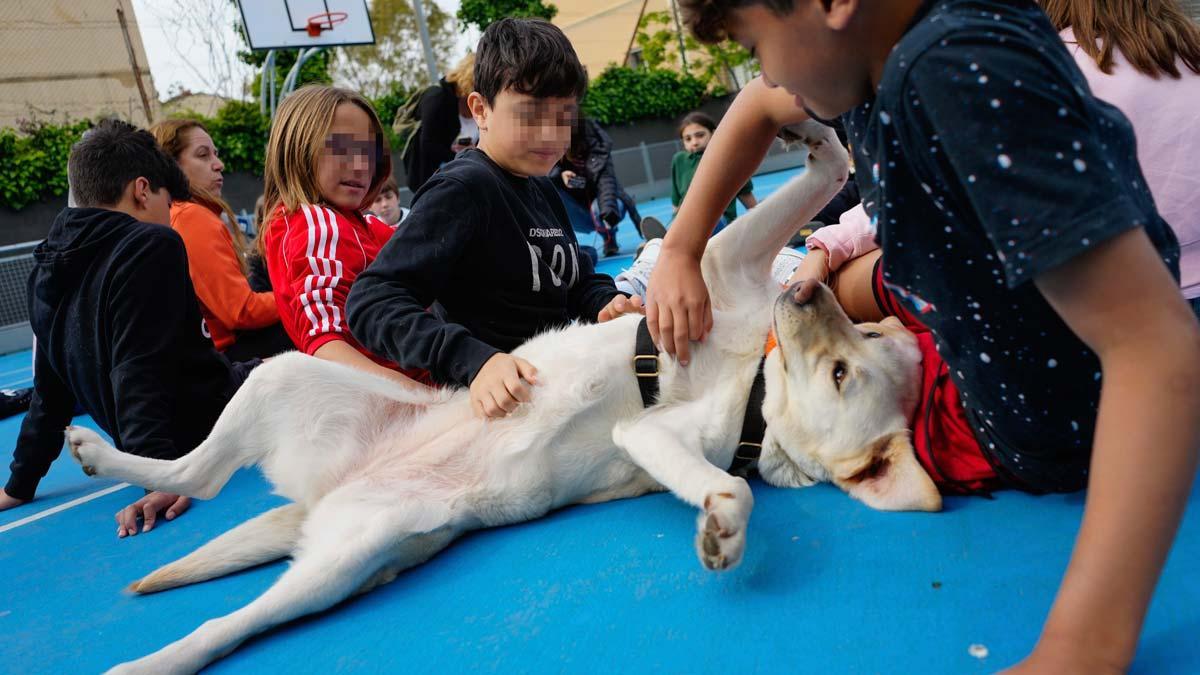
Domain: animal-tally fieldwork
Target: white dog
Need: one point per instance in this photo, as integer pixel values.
(381, 477)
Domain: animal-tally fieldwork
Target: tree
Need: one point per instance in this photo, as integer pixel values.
(396, 60)
(659, 42)
(200, 21)
(481, 13)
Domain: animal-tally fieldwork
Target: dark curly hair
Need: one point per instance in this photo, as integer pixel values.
(706, 18)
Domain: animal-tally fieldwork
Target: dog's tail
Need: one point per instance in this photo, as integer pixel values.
(262, 539)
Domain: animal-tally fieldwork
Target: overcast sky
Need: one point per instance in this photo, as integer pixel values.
(164, 48)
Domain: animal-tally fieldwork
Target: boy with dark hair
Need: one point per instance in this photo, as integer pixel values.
(1014, 223)
(387, 203)
(117, 326)
(487, 244)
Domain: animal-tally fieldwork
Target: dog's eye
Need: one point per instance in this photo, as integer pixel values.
(839, 374)
(872, 334)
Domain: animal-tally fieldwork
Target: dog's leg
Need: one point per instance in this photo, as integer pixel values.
(351, 534)
(667, 444)
(740, 255)
(266, 537)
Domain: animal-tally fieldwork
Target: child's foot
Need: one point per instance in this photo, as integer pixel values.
(611, 248)
(652, 228)
(15, 401)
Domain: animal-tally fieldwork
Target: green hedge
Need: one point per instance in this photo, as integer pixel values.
(33, 159)
(621, 95)
(33, 162)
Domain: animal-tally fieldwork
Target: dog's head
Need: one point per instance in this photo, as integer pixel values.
(838, 398)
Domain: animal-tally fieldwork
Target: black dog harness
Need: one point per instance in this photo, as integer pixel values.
(754, 427)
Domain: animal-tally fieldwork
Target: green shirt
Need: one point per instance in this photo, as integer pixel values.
(683, 169)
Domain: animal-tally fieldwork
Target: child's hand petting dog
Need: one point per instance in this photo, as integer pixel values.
(501, 385)
(619, 306)
(148, 508)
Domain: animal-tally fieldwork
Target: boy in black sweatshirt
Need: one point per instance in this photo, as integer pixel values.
(487, 245)
(118, 329)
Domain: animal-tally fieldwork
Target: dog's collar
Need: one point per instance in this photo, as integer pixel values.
(754, 427)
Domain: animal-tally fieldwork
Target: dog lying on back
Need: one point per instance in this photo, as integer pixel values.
(381, 478)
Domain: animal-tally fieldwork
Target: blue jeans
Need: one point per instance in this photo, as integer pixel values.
(585, 221)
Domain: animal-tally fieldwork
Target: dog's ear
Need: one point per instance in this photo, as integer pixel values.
(893, 479)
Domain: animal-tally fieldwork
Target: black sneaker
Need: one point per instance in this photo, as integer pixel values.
(652, 228)
(611, 249)
(14, 401)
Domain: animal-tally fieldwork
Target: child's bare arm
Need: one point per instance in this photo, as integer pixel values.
(342, 352)
(1121, 301)
(678, 309)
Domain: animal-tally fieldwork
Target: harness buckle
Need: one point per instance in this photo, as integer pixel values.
(648, 369)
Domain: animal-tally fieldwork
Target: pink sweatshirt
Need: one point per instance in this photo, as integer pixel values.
(1165, 114)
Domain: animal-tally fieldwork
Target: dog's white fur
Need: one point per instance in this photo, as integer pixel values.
(382, 477)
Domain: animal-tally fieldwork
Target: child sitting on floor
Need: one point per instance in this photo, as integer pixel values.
(487, 246)
(118, 329)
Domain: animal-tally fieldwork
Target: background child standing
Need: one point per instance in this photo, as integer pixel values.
(696, 131)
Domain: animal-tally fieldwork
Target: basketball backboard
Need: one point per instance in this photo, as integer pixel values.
(292, 24)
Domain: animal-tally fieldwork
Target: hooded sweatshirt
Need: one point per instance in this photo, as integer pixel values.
(119, 331)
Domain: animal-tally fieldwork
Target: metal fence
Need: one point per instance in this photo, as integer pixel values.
(16, 261)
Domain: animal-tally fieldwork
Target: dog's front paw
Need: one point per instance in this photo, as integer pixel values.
(88, 448)
(721, 529)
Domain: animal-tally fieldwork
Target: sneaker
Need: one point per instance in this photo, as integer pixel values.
(15, 401)
(611, 248)
(652, 228)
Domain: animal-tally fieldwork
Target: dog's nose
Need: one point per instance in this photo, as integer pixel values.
(803, 291)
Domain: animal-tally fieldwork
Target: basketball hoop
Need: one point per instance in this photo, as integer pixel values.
(324, 21)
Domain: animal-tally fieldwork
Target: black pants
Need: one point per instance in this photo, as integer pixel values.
(259, 344)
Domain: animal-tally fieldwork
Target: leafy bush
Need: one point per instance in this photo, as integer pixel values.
(33, 161)
(240, 133)
(480, 13)
(622, 94)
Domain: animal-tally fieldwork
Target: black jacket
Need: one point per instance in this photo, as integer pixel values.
(430, 146)
(119, 331)
(492, 255)
(597, 167)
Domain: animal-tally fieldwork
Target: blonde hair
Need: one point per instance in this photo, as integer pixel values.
(1151, 34)
(463, 76)
(170, 134)
(297, 143)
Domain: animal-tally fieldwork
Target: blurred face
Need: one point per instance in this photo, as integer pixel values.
(347, 162)
(524, 135)
(695, 137)
(808, 52)
(199, 161)
(387, 206)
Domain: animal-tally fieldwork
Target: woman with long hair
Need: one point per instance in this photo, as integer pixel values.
(243, 324)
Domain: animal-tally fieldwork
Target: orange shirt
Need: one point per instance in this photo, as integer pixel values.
(226, 300)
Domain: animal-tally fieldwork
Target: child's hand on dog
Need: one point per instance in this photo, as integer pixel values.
(620, 306)
(147, 508)
(501, 385)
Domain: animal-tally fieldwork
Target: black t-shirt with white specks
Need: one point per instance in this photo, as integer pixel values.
(984, 161)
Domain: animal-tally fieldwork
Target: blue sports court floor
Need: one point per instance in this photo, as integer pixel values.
(827, 586)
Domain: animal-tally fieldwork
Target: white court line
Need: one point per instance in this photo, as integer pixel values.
(18, 370)
(27, 382)
(62, 507)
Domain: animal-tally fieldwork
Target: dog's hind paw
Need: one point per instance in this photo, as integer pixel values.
(88, 448)
(721, 529)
